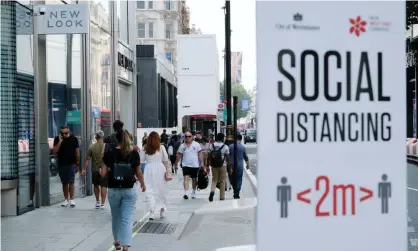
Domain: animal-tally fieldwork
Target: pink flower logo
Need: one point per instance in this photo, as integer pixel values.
(357, 26)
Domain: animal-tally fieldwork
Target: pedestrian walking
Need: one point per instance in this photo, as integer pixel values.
(144, 138)
(112, 141)
(122, 165)
(95, 154)
(173, 148)
(156, 175)
(218, 159)
(68, 155)
(205, 146)
(189, 156)
(236, 171)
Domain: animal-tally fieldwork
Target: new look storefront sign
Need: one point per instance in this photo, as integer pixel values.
(64, 19)
(331, 126)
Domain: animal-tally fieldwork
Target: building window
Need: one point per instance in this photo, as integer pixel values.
(168, 5)
(140, 5)
(169, 55)
(168, 30)
(151, 30)
(150, 5)
(141, 30)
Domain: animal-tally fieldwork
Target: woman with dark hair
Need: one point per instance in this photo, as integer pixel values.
(156, 174)
(121, 165)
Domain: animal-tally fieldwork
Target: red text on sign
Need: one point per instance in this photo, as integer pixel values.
(340, 193)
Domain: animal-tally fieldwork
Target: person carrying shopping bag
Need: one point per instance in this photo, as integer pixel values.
(121, 164)
(156, 174)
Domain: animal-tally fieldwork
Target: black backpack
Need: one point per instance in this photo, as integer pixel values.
(121, 174)
(176, 146)
(202, 180)
(216, 158)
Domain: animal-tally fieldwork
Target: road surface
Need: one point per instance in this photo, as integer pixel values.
(252, 155)
(412, 190)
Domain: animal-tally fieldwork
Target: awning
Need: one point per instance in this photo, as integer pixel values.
(203, 116)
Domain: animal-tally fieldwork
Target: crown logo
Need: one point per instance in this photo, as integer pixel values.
(297, 17)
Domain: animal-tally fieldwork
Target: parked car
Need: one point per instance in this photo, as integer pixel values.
(250, 135)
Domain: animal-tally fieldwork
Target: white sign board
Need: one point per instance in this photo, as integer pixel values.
(331, 111)
(65, 19)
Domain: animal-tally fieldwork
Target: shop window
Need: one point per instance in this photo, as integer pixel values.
(26, 142)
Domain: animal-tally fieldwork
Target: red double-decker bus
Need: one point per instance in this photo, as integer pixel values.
(105, 117)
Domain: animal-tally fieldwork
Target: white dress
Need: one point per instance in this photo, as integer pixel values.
(154, 177)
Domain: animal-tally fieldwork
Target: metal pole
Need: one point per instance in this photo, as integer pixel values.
(41, 114)
(230, 132)
(235, 137)
(412, 44)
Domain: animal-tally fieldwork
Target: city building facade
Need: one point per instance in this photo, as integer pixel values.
(55, 80)
(158, 23)
(157, 94)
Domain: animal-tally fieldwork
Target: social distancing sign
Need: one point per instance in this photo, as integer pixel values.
(331, 126)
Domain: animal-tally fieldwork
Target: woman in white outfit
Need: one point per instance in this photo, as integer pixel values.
(157, 161)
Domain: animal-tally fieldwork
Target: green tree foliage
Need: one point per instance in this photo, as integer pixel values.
(411, 13)
(241, 92)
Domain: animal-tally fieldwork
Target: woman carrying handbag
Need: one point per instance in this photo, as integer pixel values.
(156, 174)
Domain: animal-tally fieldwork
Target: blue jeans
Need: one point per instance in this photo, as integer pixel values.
(122, 205)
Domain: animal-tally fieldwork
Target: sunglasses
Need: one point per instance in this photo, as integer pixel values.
(188, 136)
(64, 133)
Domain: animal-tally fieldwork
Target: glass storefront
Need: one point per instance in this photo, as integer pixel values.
(123, 25)
(66, 98)
(64, 101)
(100, 62)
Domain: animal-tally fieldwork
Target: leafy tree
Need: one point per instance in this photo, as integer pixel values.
(411, 13)
(241, 92)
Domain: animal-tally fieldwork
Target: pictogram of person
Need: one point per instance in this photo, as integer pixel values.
(284, 196)
(385, 192)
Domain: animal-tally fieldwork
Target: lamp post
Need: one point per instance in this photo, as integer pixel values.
(229, 127)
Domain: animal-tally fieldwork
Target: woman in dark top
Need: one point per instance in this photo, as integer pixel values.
(122, 164)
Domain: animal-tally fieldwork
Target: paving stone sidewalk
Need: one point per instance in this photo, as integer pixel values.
(214, 231)
(85, 228)
(58, 229)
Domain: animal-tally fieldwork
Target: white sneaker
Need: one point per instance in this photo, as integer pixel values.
(194, 195)
(98, 205)
(102, 206)
(72, 203)
(65, 203)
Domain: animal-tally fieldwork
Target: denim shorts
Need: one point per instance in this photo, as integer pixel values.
(67, 174)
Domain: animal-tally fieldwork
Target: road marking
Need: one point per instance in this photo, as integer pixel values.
(144, 218)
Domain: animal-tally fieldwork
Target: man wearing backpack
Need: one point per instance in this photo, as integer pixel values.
(218, 157)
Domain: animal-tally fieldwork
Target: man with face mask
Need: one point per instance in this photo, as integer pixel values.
(68, 155)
